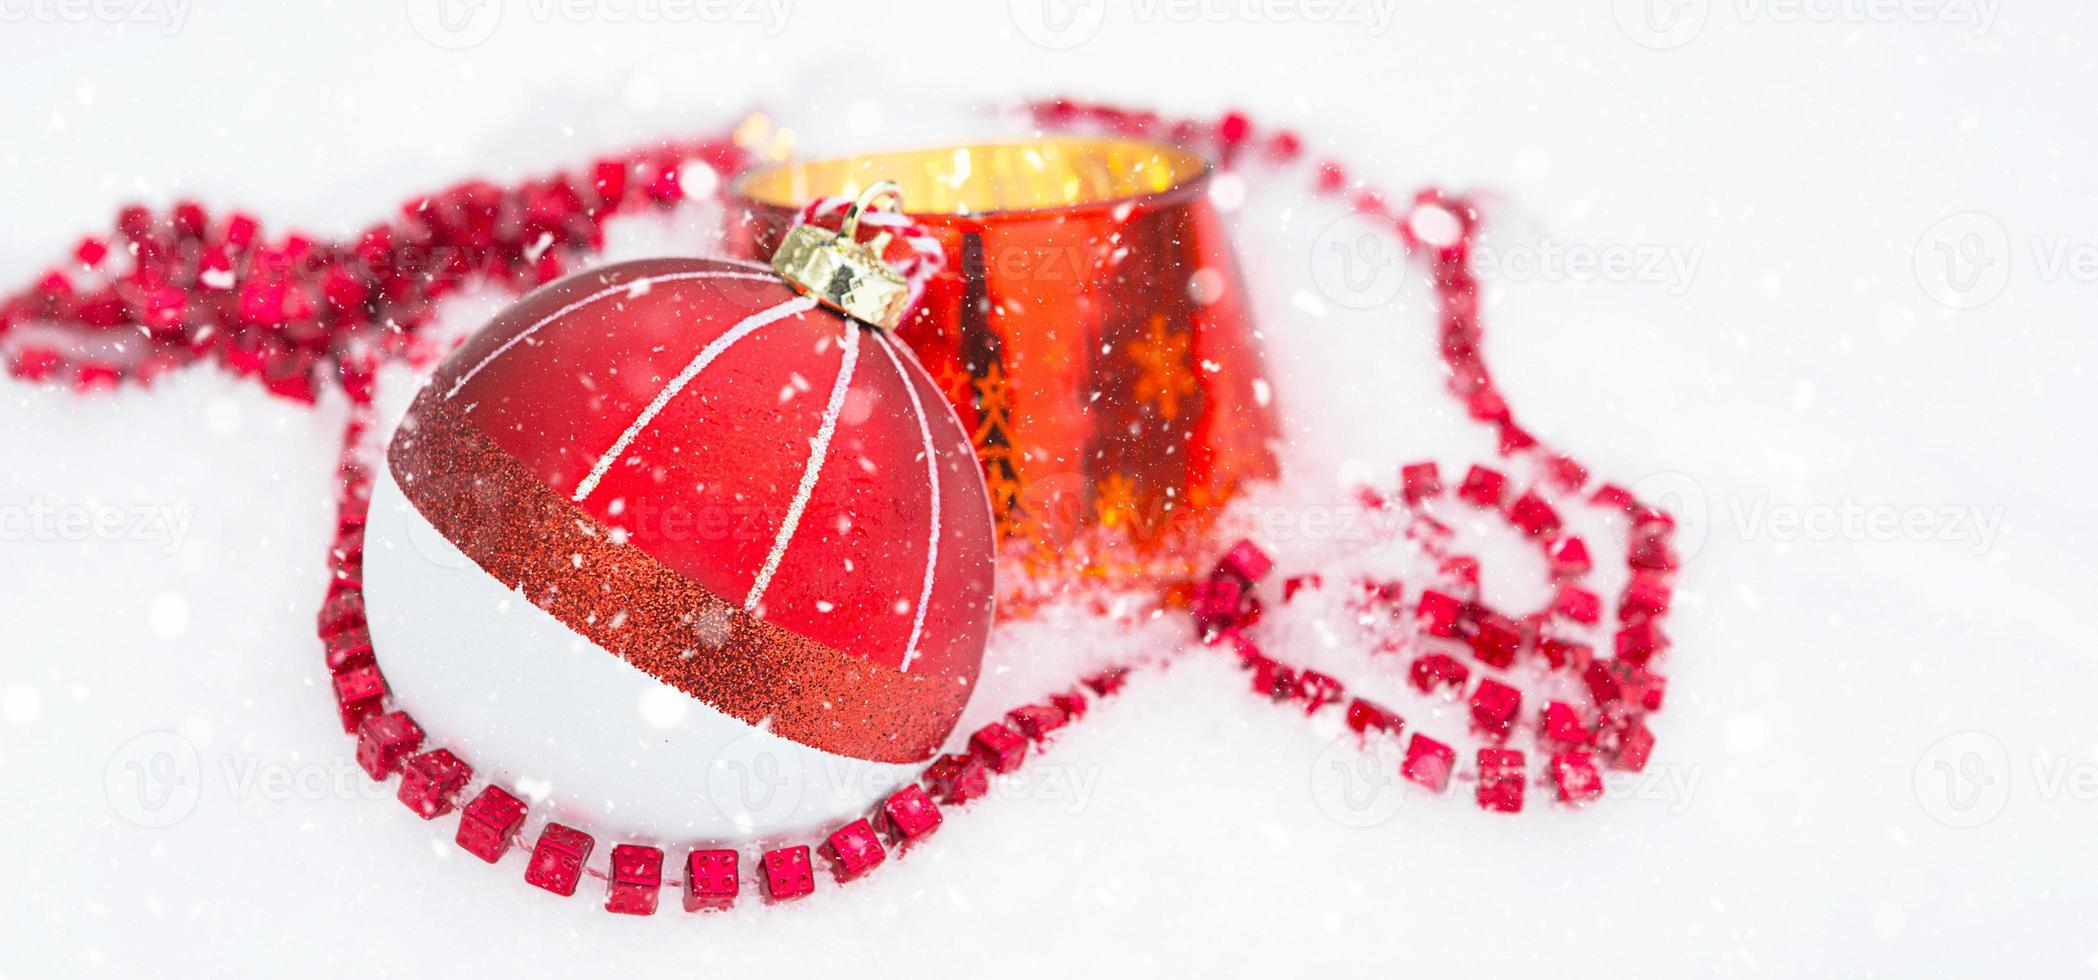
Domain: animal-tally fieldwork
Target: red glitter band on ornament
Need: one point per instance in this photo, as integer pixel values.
(612, 593)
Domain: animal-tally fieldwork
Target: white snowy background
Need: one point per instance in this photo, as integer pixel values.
(1879, 756)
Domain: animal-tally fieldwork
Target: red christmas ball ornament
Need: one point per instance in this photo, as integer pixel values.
(677, 543)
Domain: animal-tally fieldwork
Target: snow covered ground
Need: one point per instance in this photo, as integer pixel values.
(1878, 757)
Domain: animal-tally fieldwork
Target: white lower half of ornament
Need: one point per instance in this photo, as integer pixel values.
(588, 739)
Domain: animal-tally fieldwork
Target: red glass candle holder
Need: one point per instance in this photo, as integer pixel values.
(1090, 327)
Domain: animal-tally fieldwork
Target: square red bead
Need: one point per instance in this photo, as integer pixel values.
(430, 783)
(1647, 595)
(1439, 614)
(1614, 497)
(489, 823)
(357, 695)
(1579, 604)
(1532, 516)
(957, 779)
(1650, 549)
(346, 649)
(1483, 487)
(1437, 671)
(637, 880)
(1575, 776)
(1494, 638)
(384, 740)
(1246, 561)
(1108, 681)
(557, 860)
(1562, 724)
(1652, 688)
(1569, 557)
(1494, 706)
(1641, 641)
(1380, 595)
(1036, 721)
(1000, 748)
(1071, 703)
(348, 554)
(853, 850)
(786, 873)
(909, 815)
(343, 610)
(1220, 602)
(1365, 717)
(1560, 653)
(711, 882)
(1567, 474)
(1459, 574)
(1271, 678)
(1634, 748)
(1603, 680)
(1299, 583)
(1428, 762)
(1419, 482)
(1501, 780)
(1318, 690)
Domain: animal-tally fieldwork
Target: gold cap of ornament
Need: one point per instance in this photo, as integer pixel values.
(842, 272)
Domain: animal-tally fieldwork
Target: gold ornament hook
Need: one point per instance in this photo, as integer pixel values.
(876, 192)
(840, 271)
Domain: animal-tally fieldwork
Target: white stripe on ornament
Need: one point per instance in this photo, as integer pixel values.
(779, 311)
(932, 480)
(811, 472)
(622, 288)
